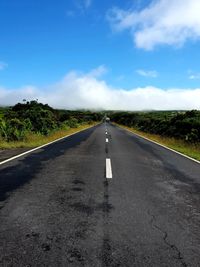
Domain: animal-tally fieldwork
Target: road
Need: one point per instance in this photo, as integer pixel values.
(97, 199)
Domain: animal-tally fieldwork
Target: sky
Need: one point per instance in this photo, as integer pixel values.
(116, 54)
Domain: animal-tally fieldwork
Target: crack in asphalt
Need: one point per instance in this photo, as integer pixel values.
(165, 239)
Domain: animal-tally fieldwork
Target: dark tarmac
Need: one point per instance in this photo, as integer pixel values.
(57, 208)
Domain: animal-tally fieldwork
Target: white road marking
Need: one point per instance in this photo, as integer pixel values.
(106, 140)
(179, 153)
(32, 150)
(108, 169)
(106, 132)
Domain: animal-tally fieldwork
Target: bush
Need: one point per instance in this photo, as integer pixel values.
(33, 117)
(3, 133)
(72, 123)
(181, 125)
(15, 130)
(192, 136)
(38, 118)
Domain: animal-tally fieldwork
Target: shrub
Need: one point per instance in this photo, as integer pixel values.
(32, 117)
(15, 130)
(192, 136)
(3, 133)
(72, 123)
(181, 125)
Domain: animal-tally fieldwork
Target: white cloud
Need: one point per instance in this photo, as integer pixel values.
(3, 65)
(169, 22)
(194, 76)
(83, 5)
(98, 72)
(77, 90)
(147, 73)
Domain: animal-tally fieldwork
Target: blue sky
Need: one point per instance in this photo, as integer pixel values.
(129, 45)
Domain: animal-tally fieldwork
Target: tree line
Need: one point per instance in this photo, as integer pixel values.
(183, 125)
(33, 117)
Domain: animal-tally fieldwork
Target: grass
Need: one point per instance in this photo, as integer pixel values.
(191, 150)
(34, 140)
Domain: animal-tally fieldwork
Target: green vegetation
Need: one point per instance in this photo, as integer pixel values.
(31, 123)
(177, 130)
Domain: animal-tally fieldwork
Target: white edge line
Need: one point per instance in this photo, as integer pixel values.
(179, 153)
(36, 148)
(108, 169)
(106, 140)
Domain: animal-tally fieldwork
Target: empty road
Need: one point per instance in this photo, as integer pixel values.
(102, 197)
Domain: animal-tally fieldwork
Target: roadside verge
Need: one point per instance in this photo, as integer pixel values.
(186, 151)
(7, 155)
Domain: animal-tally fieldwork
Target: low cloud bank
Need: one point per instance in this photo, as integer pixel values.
(90, 91)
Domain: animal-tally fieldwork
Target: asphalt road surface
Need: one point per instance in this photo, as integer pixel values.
(97, 199)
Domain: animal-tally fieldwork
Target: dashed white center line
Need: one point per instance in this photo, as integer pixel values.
(106, 140)
(106, 132)
(108, 169)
